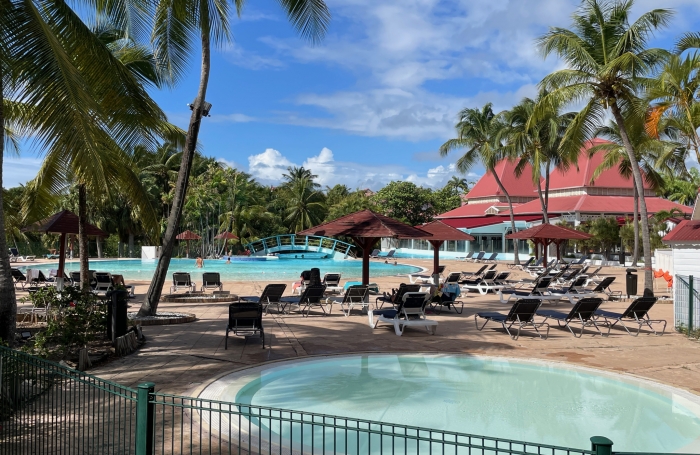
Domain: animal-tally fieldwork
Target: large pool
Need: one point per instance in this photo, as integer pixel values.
(282, 269)
(537, 402)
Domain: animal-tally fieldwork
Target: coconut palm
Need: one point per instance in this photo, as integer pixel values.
(538, 142)
(606, 56)
(177, 23)
(305, 206)
(480, 132)
(459, 184)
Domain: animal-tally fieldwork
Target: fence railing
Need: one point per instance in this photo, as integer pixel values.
(686, 303)
(47, 408)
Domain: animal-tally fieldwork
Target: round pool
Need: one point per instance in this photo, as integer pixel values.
(537, 402)
(263, 270)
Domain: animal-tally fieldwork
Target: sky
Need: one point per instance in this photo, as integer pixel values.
(377, 97)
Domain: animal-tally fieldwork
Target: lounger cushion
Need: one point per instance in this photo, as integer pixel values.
(388, 313)
(492, 315)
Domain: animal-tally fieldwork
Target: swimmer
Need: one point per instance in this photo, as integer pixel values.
(228, 260)
(199, 262)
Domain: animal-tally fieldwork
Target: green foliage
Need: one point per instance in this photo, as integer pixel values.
(406, 202)
(683, 190)
(353, 202)
(74, 319)
(606, 235)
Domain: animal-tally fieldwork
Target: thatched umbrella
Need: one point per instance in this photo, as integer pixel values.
(63, 223)
(226, 236)
(546, 233)
(365, 228)
(187, 236)
(440, 232)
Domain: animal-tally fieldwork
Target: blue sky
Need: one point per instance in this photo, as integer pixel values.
(375, 100)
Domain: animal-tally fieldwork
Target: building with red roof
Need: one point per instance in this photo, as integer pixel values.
(575, 196)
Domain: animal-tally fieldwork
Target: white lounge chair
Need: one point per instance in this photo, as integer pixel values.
(332, 282)
(355, 296)
(423, 278)
(410, 313)
(483, 284)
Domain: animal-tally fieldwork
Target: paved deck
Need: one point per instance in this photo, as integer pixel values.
(179, 358)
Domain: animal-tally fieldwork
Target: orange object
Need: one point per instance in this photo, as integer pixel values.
(658, 273)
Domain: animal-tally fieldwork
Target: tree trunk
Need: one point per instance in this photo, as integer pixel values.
(639, 184)
(545, 217)
(635, 252)
(119, 249)
(8, 300)
(516, 258)
(83, 238)
(150, 304)
(131, 245)
(100, 254)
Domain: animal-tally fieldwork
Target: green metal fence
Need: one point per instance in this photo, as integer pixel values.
(686, 302)
(51, 409)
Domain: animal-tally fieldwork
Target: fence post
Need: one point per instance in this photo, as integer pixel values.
(691, 301)
(145, 419)
(601, 445)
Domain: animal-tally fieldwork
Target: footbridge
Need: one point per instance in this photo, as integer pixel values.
(292, 246)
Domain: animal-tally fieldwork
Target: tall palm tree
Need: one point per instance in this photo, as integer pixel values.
(459, 184)
(177, 23)
(615, 156)
(305, 207)
(606, 57)
(295, 174)
(538, 142)
(480, 132)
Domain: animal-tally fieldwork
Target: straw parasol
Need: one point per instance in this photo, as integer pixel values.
(187, 236)
(365, 228)
(546, 233)
(441, 232)
(226, 236)
(64, 222)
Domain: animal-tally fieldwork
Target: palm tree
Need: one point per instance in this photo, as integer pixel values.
(606, 57)
(459, 184)
(295, 174)
(480, 132)
(646, 149)
(176, 22)
(306, 206)
(538, 142)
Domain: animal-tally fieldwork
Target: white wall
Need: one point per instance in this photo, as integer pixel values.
(686, 260)
(663, 259)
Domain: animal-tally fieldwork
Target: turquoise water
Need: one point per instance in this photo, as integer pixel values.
(507, 399)
(282, 269)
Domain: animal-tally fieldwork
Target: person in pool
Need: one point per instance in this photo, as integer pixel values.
(228, 260)
(199, 262)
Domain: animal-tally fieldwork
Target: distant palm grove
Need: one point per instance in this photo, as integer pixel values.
(77, 86)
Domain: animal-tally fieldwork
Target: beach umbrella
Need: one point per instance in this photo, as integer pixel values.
(365, 228)
(439, 233)
(546, 234)
(226, 236)
(64, 222)
(187, 236)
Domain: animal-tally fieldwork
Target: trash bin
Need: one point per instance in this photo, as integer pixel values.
(631, 282)
(116, 314)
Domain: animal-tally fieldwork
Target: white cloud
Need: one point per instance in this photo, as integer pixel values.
(16, 171)
(233, 118)
(227, 163)
(236, 54)
(269, 166)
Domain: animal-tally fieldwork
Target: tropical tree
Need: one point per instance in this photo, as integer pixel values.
(406, 202)
(538, 142)
(606, 56)
(481, 132)
(177, 23)
(305, 205)
(459, 184)
(295, 174)
(683, 190)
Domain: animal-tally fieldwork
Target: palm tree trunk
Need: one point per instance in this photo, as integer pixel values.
(635, 253)
(150, 304)
(83, 238)
(543, 204)
(516, 258)
(639, 184)
(100, 254)
(131, 245)
(8, 300)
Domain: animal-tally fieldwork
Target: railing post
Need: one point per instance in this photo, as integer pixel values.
(601, 445)
(691, 301)
(145, 419)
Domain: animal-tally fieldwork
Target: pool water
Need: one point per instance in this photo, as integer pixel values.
(544, 403)
(282, 269)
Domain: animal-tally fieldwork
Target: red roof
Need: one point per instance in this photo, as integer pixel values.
(549, 231)
(580, 175)
(65, 222)
(442, 231)
(516, 186)
(187, 235)
(366, 223)
(686, 231)
(471, 209)
(598, 204)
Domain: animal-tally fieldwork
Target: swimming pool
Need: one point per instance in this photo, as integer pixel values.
(282, 269)
(541, 402)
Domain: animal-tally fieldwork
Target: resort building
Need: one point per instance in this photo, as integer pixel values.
(573, 197)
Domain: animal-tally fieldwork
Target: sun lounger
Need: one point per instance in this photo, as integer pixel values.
(396, 297)
(375, 253)
(483, 284)
(453, 277)
(311, 297)
(604, 288)
(19, 277)
(473, 275)
(211, 280)
(182, 280)
(332, 283)
(104, 282)
(410, 312)
(540, 290)
(244, 319)
(355, 296)
(271, 295)
(118, 282)
(390, 254)
(521, 315)
(14, 253)
(583, 312)
(467, 257)
(449, 300)
(479, 256)
(492, 258)
(423, 278)
(522, 266)
(637, 313)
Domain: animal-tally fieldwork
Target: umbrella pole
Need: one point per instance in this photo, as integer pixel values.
(61, 261)
(436, 260)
